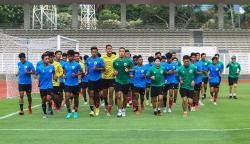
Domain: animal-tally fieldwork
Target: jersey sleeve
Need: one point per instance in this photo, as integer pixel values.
(148, 74)
(32, 68)
(114, 64)
(38, 71)
(239, 67)
(101, 63)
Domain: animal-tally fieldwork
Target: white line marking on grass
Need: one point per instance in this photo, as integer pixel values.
(140, 130)
(14, 113)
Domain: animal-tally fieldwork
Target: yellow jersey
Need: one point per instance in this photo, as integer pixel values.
(109, 70)
(58, 73)
(83, 71)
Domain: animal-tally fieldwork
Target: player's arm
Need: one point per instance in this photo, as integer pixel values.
(130, 67)
(239, 67)
(102, 66)
(79, 71)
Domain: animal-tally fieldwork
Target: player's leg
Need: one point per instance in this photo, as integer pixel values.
(160, 103)
(230, 83)
(184, 102)
(170, 99)
(21, 101)
(60, 96)
(190, 97)
(76, 91)
(216, 91)
(135, 94)
(28, 93)
(68, 90)
(235, 88)
(49, 98)
(84, 92)
(91, 93)
(154, 99)
(43, 95)
(147, 93)
(141, 94)
(176, 92)
(56, 97)
(165, 93)
(212, 91)
(126, 92)
(111, 97)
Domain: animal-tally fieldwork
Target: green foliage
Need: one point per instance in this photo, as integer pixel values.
(11, 14)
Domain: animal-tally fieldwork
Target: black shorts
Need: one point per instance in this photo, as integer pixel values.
(72, 89)
(186, 93)
(175, 86)
(147, 85)
(139, 90)
(46, 92)
(156, 91)
(61, 89)
(124, 88)
(107, 83)
(56, 90)
(84, 85)
(25, 87)
(197, 87)
(205, 80)
(94, 85)
(214, 85)
(232, 81)
(169, 86)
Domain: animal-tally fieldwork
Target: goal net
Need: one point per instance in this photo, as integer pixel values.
(11, 46)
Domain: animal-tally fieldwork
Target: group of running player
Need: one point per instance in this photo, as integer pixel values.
(100, 76)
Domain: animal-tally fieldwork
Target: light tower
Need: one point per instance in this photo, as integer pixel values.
(88, 19)
(44, 17)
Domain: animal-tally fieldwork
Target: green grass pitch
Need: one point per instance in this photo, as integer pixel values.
(226, 123)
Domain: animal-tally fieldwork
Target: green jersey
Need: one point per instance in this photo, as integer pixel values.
(234, 69)
(205, 64)
(119, 65)
(187, 75)
(158, 73)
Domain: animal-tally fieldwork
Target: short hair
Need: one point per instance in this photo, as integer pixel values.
(214, 58)
(173, 53)
(135, 57)
(85, 57)
(193, 54)
(163, 57)
(186, 57)
(71, 52)
(108, 45)
(217, 55)
(198, 53)
(64, 55)
(127, 50)
(157, 58)
(150, 59)
(58, 51)
(80, 57)
(77, 53)
(203, 54)
(51, 54)
(122, 48)
(94, 48)
(139, 56)
(175, 58)
(22, 55)
(114, 53)
(168, 55)
(44, 55)
(157, 53)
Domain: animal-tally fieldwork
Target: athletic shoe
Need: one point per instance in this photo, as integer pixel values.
(75, 115)
(119, 114)
(185, 114)
(97, 111)
(192, 109)
(108, 114)
(235, 97)
(92, 114)
(45, 116)
(230, 97)
(204, 96)
(102, 104)
(30, 110)
(123, 112)
(155, 113)
(21, 113)
(142, 106)
(147, 103)
(68, 115)
(211, 99)
(164, 110)
(201, 103)
(215, 103)
(169, 110)
(159, 113)
(128, 105)
(137, 113)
